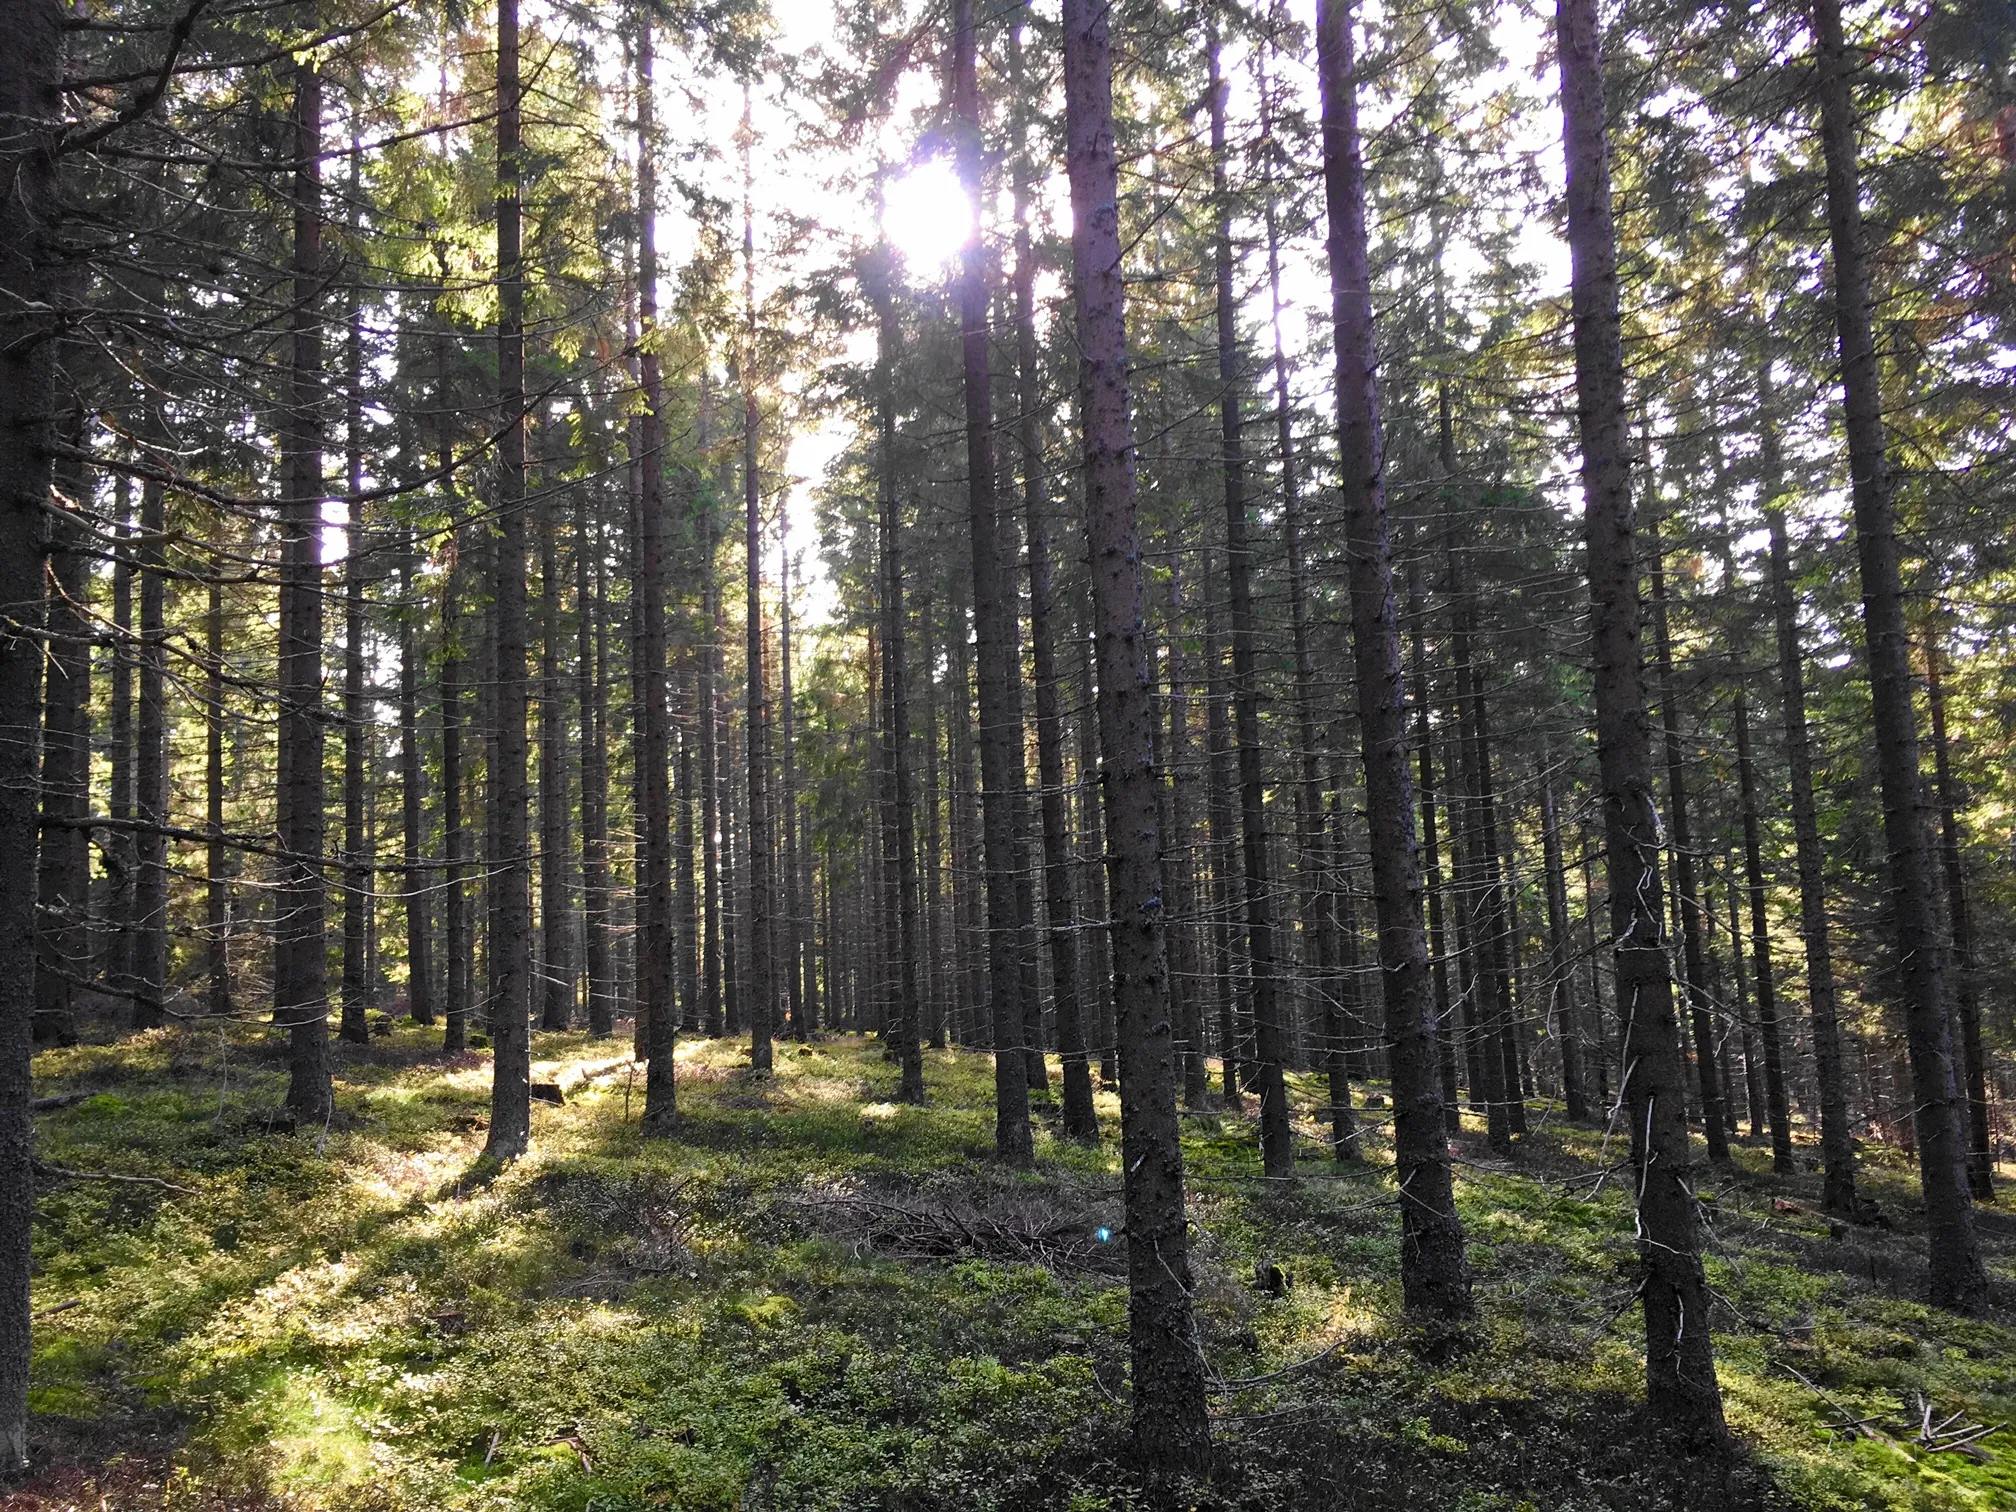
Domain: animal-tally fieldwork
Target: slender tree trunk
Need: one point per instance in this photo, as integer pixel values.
(762, 894)
(31, 74)
(1080, 1121)
(63, 876)
(1560, 958)
(510, 948)
(413, 805)
(1218, 804)
(1093, 902)
(712, 999)
(1431, 844)
(1776, 1104)
(900, 831)
(454, 840)
(656, 943)
(1958, 1279)
(1490, 994)
(1837, 1144)
(121, 845)
(1179, 863)
(590, 692)
(359, 881)
(150, 771)
(1170, 1426)
(794, 917)
(1000, 703)
(1277, 1151)
(556, 912)
(1434, 1277)
(300, 962)
(1980, 1149)
(1714, 1123)
(1681, 1393)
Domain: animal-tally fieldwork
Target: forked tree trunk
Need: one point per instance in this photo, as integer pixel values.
(1434, 1277)
(1681, 1393)
(1958, 1279)
(1170, 1429)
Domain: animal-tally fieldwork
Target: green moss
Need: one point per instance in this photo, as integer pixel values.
(371, 1319)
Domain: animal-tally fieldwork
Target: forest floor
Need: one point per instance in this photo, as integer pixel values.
(813, 1297)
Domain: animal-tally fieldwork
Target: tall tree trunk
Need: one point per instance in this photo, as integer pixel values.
(300, 960)
(1434, 1277)
(121, 846)
(794, 918)
(1319, 928)
(1560, 957)
(150, 770)
(510, 949)
(1431, 844)
(556, 912)
(762, 894)
(1277, 1149)
(1179, 863)
(1776, 1106)
(1714, 1123)
(1000, 703)
(460, 973)
(900, 831)
(1980, 1148)
(1080, 1121)
(1218, 805)
(63, 875)
(1496, 1073)
(413, 804)
(1924, 961)
(1837, 1142)
(1170, 1426)
(359, 880)
(656, 1009)
(31, 74)
(590, 692)
(713, 1002)
(1680, 1388)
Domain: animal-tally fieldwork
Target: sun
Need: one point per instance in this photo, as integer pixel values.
(926, 215)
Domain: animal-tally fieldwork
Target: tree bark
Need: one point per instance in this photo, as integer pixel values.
(1080, 1121)
(63, 878)
(1837, 1143)
(510, 948)
(590, 693)
(1958, 1279)
(1681, 1392)
(556, 910)
(1714, 1121)
(31, 73)
(762, 895)
(901, 827)
(1434, 1277)
(413, 805)
(300, 961)
(1560, 958)
(1000, 703)
(1170, 1429)
(1277, 1150)
(358, 877)
(1776, 1106)
(656, 942)
(1980, 1148)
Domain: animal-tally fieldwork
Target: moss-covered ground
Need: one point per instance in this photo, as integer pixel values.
(815, 1298)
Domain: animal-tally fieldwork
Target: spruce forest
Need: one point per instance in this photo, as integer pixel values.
(1007, 754)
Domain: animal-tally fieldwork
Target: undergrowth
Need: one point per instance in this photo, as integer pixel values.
(814, 1297)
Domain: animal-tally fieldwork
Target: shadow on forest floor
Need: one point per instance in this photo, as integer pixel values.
(813, 1296)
